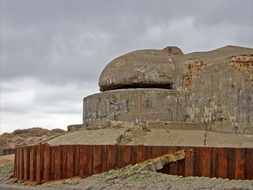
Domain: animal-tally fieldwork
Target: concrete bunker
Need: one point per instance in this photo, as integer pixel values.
(137, 86)
(212, 89)
(139, 69)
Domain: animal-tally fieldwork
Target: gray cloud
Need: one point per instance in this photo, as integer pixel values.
(55, 50)
(60, 40)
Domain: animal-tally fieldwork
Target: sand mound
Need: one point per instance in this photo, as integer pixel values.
(27, 137)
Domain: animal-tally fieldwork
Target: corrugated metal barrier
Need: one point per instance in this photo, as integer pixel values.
(42, 163)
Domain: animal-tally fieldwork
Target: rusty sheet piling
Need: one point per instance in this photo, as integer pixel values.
(42, 163)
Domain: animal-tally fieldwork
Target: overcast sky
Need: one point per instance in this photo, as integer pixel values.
(52, 51)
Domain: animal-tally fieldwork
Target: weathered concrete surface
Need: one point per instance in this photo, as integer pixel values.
(140, 135)
(143, 68)
(99, 136)
(133, 105)
(218, 88)
(214, 88)
(75, 127)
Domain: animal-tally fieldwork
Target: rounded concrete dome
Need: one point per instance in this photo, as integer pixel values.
(142, 68)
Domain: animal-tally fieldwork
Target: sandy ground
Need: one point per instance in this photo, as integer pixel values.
(6, 169)
(6, 159)
(135, 177)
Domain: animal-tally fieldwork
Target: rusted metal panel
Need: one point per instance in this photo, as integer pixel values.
(97, 161)
(63, 150)
(57, 162)
(21, 164)
(222, 163)
(47, 162)
(126, 155)
(189, 162)
(89, 158)
(196, 161)
(111, 157)
(70, 161)
(231, 163)
(18, 162)
(181, 166)
(83, 153)
(52, 160)
(157, 151)
(119, 162)
(76, 160)
(140, 153)
(103, 158)
(133, 154)
(148, 152)
(43, 163)
(26, 163)
(32, 172)
(205, 162)
(214, 162)
(106, 157)
(248, 166)
(38, 163)
(239, 163)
